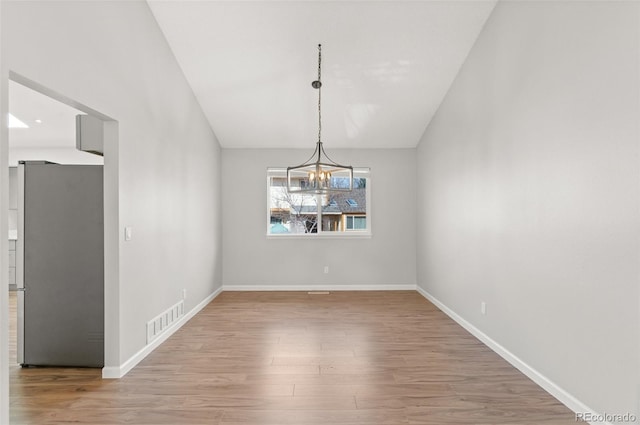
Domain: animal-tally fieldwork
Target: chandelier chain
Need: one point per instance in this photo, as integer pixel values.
(322, 175)
(319, 93)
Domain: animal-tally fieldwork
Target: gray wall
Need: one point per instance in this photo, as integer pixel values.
(386, 259)
(112, 57)
(528, 194)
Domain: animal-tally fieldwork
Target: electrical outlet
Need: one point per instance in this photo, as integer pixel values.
(128, 233)
(326, 269)
(184, 294)
(483, 307)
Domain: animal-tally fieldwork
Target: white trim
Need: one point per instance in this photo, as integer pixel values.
(119, 371)
(552, 388)
(350, 234)
(311, 287)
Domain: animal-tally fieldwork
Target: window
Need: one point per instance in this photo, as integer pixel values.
(356, 222)
(334, 214)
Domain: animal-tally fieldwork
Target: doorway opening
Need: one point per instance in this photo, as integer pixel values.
(44, 126)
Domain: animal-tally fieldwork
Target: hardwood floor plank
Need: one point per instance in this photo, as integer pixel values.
(368, 379)
(272, 403)
(266, 358)
(461, 412)
(108, 416)
(367, 390)
(339, 360)
(315, 417)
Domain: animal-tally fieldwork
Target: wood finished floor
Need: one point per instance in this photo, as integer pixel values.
(267, 358)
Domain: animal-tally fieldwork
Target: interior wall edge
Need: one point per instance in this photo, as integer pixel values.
(4, 226)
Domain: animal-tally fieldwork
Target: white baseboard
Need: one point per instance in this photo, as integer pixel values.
(403, 287)
(116, 372)
(556, 391)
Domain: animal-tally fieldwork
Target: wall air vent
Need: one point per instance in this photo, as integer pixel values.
(165, 320)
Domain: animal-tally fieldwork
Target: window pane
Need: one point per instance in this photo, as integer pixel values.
(356, 222)
(291, 212)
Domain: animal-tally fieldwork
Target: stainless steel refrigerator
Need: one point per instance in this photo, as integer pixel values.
(60, 265)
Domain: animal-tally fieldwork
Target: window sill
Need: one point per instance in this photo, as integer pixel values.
(325, 235)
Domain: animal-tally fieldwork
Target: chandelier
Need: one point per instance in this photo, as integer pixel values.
(319, 174)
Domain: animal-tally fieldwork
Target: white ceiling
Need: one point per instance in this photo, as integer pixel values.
(57, 126)
(387, 65)
(51, 132)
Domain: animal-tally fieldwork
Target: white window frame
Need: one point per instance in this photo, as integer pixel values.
(347, 234)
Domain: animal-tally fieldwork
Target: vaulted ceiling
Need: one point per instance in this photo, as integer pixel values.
(387, 65)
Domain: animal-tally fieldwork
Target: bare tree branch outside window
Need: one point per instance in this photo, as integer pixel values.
(296, 212)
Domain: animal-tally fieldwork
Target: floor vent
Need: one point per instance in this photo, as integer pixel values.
(162, 322)
(318, 293)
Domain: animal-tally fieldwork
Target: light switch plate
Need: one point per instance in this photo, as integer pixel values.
(127, 233)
